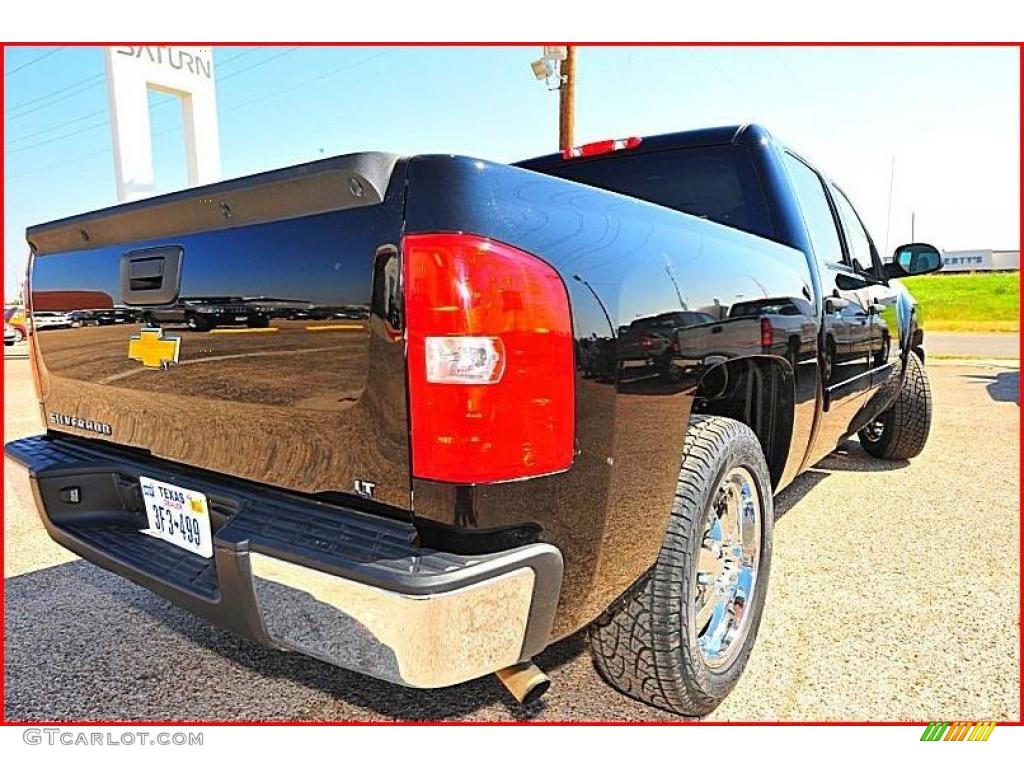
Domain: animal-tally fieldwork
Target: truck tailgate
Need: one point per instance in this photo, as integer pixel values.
(257, 331)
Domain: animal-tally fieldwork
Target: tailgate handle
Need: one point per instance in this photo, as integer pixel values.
(151, 276)
(146, 274)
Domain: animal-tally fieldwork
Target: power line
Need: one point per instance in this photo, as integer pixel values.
(80, 158)
(50, 103)
(17, 107)
(63, 136)
(267, 60)
(303, 83)
(56, 127)
(36, 60)
(59, 164)
(156, 105)
(300, 84)
(89, 83)
(95, 113)
(245, 52)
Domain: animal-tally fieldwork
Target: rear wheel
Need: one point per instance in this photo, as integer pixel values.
(902, 431)
(198, 323)
(680, 638)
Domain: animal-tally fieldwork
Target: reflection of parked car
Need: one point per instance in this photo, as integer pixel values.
(15, 317)
(597, 358)
(787, 324)
(80, 317)
(201, 313)
(11, 336)
(316, 312)
(43, 320)
(115, 316)
(653, 341)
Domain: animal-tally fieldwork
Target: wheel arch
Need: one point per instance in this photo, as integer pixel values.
(759, 391)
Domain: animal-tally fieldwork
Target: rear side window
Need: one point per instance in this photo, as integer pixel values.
(821, 226)
(717, 183)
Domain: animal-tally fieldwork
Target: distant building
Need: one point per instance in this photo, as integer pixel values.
(981, 260)
(65, 301)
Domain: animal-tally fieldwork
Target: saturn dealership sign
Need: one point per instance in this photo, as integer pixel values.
(185, 73)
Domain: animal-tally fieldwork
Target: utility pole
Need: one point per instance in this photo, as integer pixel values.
(888, 211)
(679, 295)
(912, 217)
(567, 100)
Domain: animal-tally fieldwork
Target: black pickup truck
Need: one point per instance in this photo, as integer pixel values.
(563, 397)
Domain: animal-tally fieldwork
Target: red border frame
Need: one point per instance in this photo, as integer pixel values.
(278, 723)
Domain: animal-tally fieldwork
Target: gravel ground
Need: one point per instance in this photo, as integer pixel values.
(894, 596)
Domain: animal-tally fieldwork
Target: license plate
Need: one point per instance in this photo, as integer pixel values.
(177, 515)
(240, 318)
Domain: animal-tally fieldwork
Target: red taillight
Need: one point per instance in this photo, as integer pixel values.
(490, 361)
(766, 333)
(646, 342)
(601, 147)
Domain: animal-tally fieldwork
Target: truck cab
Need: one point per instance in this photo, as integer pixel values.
(849, 327)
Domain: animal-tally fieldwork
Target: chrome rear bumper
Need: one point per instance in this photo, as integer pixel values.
(343, 586)
(493, 614)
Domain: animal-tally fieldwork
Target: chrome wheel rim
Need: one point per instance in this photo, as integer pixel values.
(873, 431)
(727, 564)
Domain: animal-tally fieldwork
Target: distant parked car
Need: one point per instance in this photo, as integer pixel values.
(43, 320)
(80, 317)
(115, 316)
(15, 317)
(203, 313)
(11, 336)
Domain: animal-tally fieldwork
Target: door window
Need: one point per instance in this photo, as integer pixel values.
(857, 239)
(821, 225)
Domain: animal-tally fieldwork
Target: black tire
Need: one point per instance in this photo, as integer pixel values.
(902, 431)
(830, 361)
(198, 323)
(647, 644)
(793, 352)
(259, 321)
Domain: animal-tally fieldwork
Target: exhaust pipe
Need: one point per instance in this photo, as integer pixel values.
(525, 681)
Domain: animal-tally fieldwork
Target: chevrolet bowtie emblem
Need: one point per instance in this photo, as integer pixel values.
(151, 348)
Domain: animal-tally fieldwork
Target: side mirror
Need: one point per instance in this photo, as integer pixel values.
(914, 259)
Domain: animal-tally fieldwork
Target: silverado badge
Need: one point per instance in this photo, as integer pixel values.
(153, 350)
